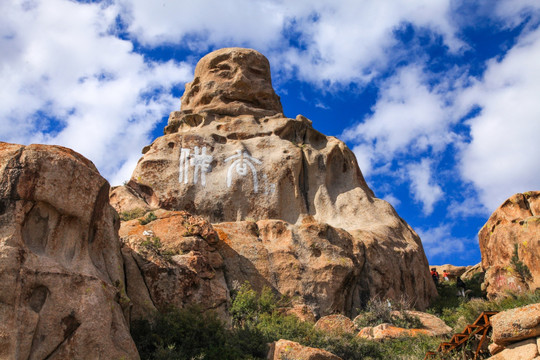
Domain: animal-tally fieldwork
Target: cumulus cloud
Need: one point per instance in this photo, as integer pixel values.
(335, 42)
(422, 185)
(502, 156)
(439, 241)
(68, 80)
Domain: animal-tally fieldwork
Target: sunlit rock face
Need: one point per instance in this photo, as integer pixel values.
(232, 81)
(290, 204)
(62, 280)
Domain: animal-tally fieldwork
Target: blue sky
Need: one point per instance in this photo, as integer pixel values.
(439, 100)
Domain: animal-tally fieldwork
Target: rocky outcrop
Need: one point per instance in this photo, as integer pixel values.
(285, 349)
(389, 331)
(473, 271)
(516, 334)
(171, 260)
(515, 225)
(290, 204)
(453, 271)
(61, 274)
(336, 323)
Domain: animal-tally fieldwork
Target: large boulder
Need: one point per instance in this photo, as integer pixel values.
(516, 324)
(514, 225)
(285, 349)
(62, 291)
(231, 157)
(171, 260)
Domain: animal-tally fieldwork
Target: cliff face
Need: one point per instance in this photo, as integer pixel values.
(289, 203)
(514, 225)
(62, 289)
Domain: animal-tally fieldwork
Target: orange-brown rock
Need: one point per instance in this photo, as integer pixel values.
(236, 162)
(516, 324)
(172, 261)
(62, 290)
(335, 323)
(430, 322)
(472, 271)
(523, 350)
(388, 331)
(285, 349)
(515, 223)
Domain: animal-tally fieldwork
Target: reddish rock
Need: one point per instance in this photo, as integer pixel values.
(453, 271)
(515, 222)
(431, 323)
(172, 261)
(388, 331)
(336, 323)
(516, 324)
(62, 291)
(285, 349)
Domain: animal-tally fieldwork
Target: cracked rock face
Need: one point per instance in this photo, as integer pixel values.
(241, 168)
(232, 81)
(61, 275)
(515, 223)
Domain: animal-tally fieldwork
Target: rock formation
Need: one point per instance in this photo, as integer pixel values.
(516, 334)
(62, 289)
(290, 205)
(285, 349)
(515, 225)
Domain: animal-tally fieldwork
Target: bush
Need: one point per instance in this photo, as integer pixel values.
(149, 218)
(131, 214)
(379, 312)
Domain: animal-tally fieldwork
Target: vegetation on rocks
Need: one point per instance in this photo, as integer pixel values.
(257, 320)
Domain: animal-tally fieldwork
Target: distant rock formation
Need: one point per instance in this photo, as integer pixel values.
(513, 229)
(62, 289)
(290, 204)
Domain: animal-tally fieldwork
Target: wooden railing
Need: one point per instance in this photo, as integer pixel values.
(480, 327)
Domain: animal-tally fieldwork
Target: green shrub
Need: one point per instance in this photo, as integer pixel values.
(131, 214)
(520, 268)
(379, 312)
(149, 218)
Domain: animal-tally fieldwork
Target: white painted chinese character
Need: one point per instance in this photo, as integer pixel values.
(184, 165)
(201, 162)
(269, 189)
(243, 161)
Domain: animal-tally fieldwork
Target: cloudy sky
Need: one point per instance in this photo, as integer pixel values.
(439, 99)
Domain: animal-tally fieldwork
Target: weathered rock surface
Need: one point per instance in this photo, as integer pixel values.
(516, 334)
(336, 323)
(172, 261)
(291, 205)
(285, 349)
(516, 324)
(431, 323)
(233, 82)
(515, 222)
(472, 271)
(388, 331)
(61, 275)
(523, 350)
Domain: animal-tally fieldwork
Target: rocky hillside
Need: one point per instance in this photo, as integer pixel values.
(290, 204)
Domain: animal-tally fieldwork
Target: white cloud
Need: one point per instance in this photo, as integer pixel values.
(394, 201)
(340, 41)
(439, 241)
(423, 187)
(503, 155)
(409, 117)
(66, 80)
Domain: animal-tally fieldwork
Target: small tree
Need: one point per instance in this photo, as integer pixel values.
(521, 269)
